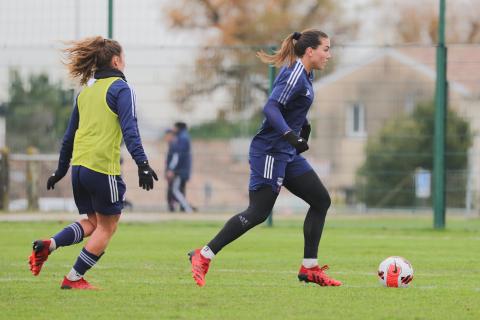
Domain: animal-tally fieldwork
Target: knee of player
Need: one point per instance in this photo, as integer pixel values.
(109, 228)
(113, 227)
(322, 201)
(327, 200)
(264, 217)
(93, 223)
(250, 219)
(88, 225)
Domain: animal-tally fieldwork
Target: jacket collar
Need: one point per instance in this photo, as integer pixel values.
(107, 73)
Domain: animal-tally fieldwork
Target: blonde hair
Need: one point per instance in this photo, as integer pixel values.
(88, 55)
(293, 47)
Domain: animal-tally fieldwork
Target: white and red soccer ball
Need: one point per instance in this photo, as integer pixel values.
(395, 272)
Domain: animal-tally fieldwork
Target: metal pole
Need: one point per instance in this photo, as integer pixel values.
(110, 19)
(440, 124)
(271, 77)
(32, 180)
(4, 179)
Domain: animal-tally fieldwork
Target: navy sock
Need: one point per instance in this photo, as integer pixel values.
(70, 235)
(85, 261)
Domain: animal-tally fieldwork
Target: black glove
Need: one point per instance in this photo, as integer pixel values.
(146, 176)
(299, 143)
(54, 178)
(305, 132)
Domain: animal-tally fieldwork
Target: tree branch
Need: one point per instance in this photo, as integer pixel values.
(212, 12)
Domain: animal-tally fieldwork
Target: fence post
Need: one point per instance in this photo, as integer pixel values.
(32, 180)
(4, 179)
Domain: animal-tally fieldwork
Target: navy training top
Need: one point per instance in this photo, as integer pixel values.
(293, 93)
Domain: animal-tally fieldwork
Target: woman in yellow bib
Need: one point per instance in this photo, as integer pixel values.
(104, 113)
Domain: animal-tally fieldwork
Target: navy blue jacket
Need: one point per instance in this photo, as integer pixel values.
(179, 157)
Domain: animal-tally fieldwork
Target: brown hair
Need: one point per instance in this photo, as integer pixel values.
(293, 46)
(85, 56)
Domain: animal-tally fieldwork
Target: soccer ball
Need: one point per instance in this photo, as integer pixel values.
(395, 272)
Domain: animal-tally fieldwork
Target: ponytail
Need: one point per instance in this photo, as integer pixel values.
(293, 47)
(86, 56)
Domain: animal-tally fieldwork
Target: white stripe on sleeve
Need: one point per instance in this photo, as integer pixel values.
(291, 82)
(133, 99)
(291, 85)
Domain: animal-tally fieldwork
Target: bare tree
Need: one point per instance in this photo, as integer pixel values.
(418, 21)
(235, 29)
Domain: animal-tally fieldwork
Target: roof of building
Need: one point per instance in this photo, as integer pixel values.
(463, 65)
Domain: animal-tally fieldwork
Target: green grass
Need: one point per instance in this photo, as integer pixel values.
(145, 273)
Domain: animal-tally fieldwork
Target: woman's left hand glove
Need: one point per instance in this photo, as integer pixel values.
(146, 176)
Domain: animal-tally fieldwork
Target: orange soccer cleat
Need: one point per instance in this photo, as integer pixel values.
(200, 266)
(39, 255)
(81, 284)
(317, 275)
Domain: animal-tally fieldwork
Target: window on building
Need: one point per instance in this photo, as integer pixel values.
(356, 120)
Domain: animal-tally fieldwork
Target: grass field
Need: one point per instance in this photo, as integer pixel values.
(145, 273)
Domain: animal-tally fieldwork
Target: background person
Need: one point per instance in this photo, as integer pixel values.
(169, 137)
(180, 165)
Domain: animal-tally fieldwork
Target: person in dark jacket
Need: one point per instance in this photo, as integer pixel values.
(169, 137)
(179, 165)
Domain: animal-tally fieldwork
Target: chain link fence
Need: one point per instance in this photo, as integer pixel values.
(370, 142)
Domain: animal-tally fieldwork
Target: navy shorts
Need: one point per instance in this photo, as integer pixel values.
(266, 170)
(97, 192)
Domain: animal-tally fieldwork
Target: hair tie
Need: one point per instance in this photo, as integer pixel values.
(296, 35)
